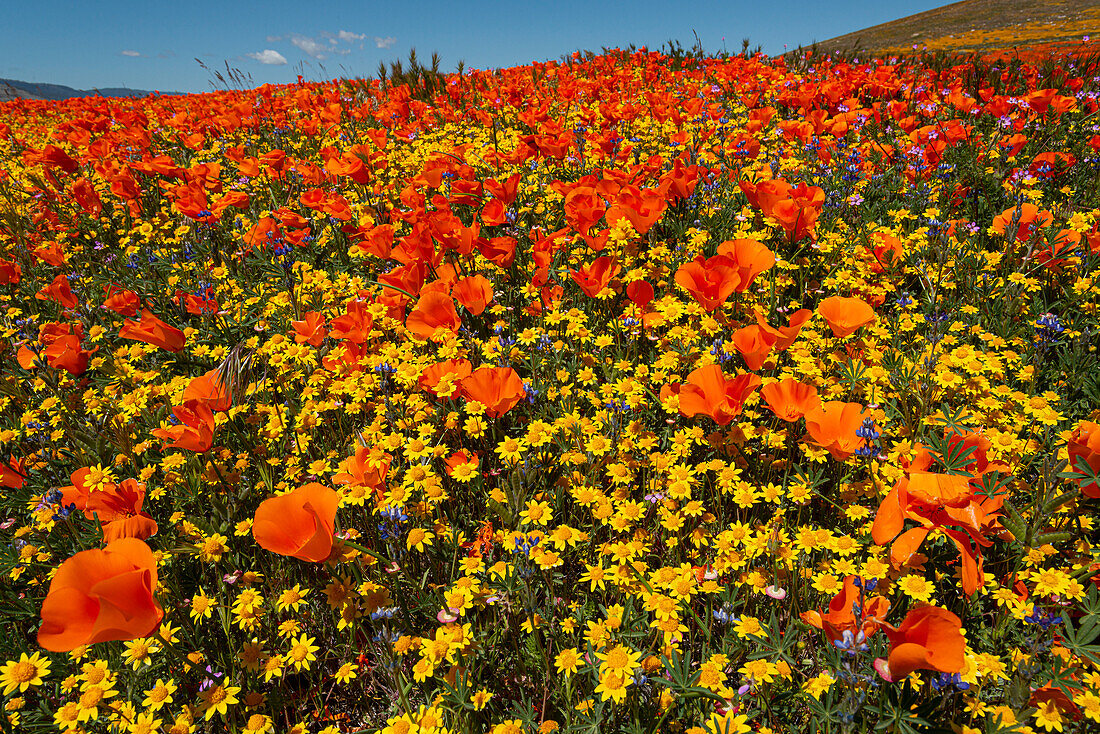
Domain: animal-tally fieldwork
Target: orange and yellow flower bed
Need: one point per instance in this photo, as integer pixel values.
(626, 393)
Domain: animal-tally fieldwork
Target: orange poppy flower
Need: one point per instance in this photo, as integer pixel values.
(947, 502)
(929, 638)
(195, 431)
(709, 281)
(754, 344)
(499, 389)
(841, 616)
(354, 326)
(640, 293)
(299, 523)
(60, 291)
(583, 208)
(310, 330)
(707, 390)
(101, 595)
(365, 468)
(475, 293)
(790, 399)
(845, 316)
(1027, 218)
(208, 388)
(10, 272)
(501, 251)
(121, 301)
(430, 377)
(433, 311)
(152, 330)
(119, 511)
(785, 335)
(1084, 450)
(594, 277)
(460, 457)
(64, 353)
(750, 258)
(12, 474)
(832, 426)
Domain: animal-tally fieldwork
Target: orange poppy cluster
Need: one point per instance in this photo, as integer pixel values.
(604, 362)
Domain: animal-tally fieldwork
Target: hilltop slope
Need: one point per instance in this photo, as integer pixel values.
(975, 25)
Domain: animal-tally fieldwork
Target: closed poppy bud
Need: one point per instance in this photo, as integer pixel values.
(299, 523)
(640, 293)
(845, 316)
(929, 638)
(101, 595)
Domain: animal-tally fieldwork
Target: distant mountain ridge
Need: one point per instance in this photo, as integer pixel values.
(15, 89)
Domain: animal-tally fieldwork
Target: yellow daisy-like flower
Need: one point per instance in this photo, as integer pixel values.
(159, 695)
(301, 653)
(139, 652)
(345, 672)
(728, 724)
(511, 726)
(481, 699)
(1049, 716)
(537, 513)
(619, 659)
(23, 673)
(613, 685)
(259, 724)
(217, 700)
(418, 538)
(567, 661)
(291, 598)
(916, 587)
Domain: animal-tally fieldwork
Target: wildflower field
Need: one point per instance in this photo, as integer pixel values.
(631, 392)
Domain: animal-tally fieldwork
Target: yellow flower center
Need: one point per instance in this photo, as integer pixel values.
(23, 672)
(91, 697)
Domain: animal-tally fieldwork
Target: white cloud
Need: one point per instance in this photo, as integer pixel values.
(130, 52)
(314, 48)
(349, 36)
(384, 42)
(268, 56)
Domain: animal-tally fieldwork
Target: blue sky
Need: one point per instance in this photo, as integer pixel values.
(153, 44)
